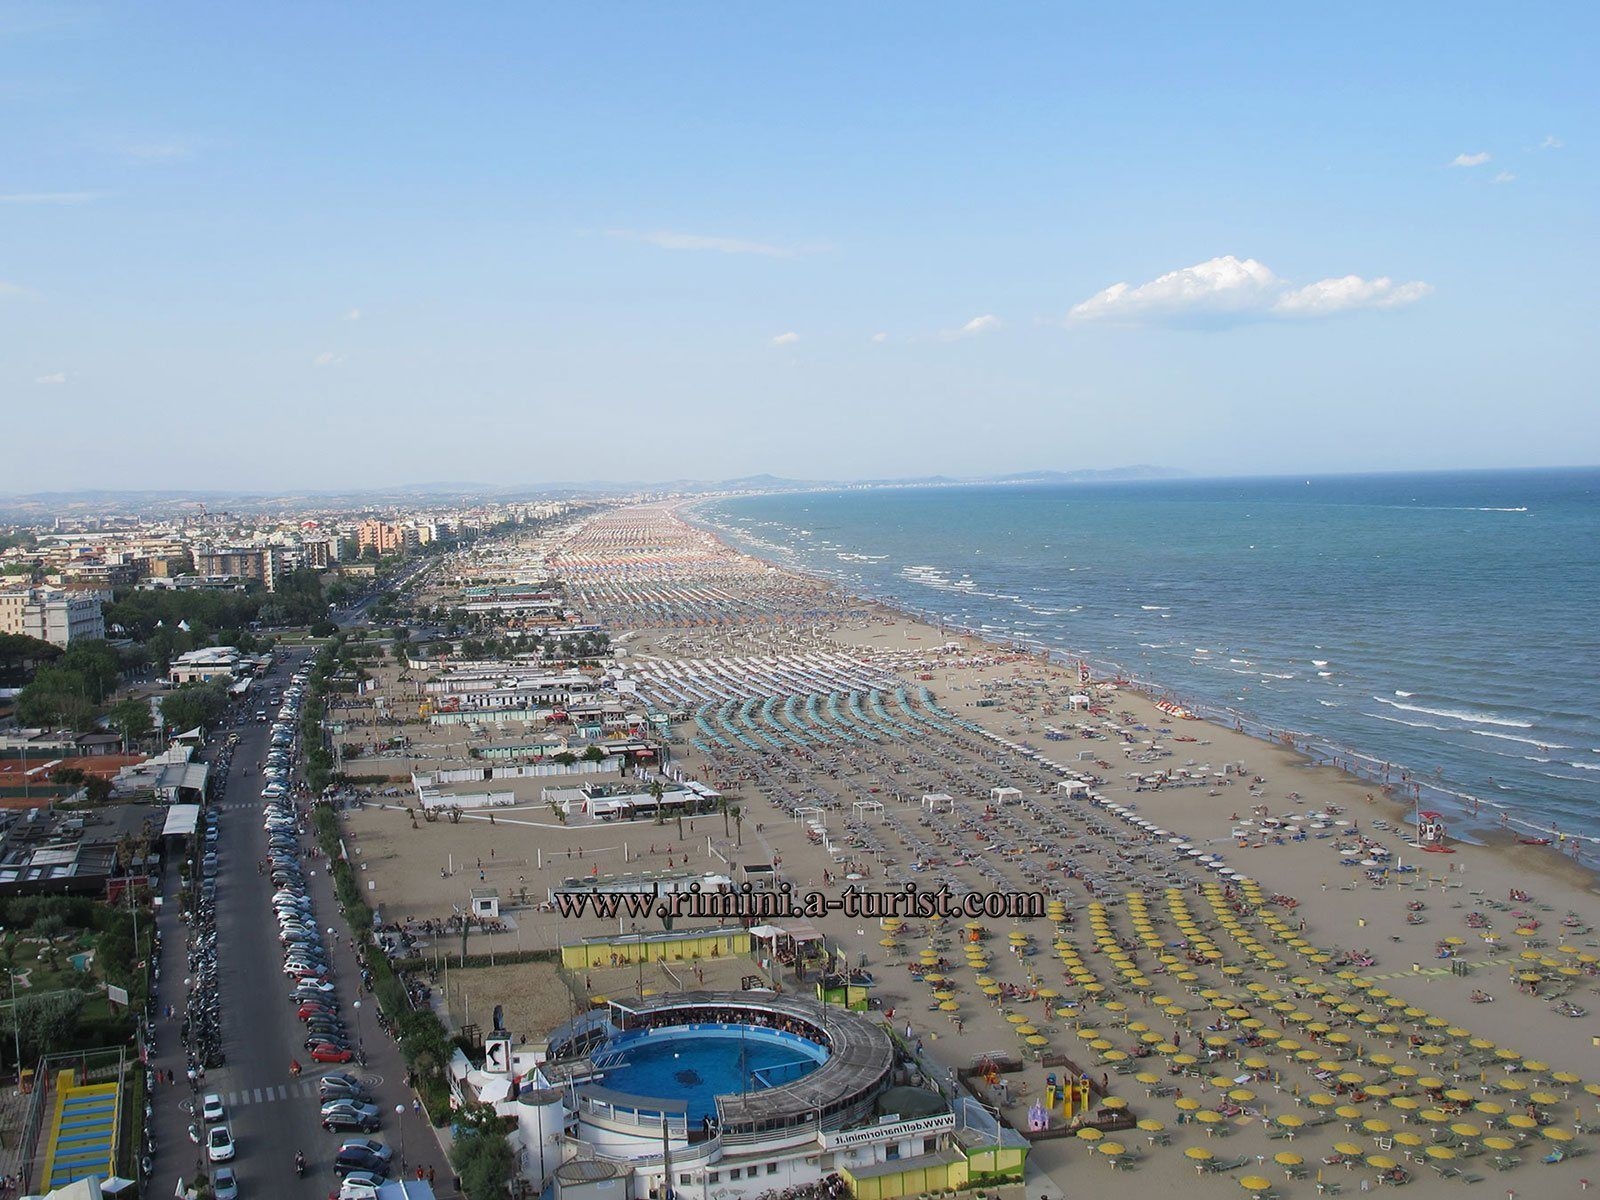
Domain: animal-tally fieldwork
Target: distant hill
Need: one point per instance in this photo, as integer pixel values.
(36, 507)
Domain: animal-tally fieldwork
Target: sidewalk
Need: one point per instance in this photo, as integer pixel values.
(416, 1142)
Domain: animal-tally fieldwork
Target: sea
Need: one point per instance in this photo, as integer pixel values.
(1440, 626)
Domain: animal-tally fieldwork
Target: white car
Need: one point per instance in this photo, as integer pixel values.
(212, 1109)
(219, 1144)
(225, 1184)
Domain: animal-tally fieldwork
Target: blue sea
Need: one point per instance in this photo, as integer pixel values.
(1441, 623)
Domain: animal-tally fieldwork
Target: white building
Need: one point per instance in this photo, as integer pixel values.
(213, 662)
(57, 617)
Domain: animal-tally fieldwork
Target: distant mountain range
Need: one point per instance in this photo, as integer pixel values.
(34, 507)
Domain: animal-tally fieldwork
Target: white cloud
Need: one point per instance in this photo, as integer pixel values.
(1224, 285)
(987, 323)
(1551, 142)
(786, 339)
(667, 239)
(57, 377)
(158, 152)
(11, 289)
(46, 197)
(1228, 289)
(1504, 177)
(879, 339)
(1470, 160)
(327, 359)
(353, 315)
(1329, 296)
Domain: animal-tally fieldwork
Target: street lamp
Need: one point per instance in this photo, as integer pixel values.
(400, 1115)
(359, 1044)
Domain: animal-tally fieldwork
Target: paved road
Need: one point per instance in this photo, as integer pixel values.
(272, 1114)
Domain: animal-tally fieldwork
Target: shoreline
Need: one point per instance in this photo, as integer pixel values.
(1466, 812)
(1466, 826)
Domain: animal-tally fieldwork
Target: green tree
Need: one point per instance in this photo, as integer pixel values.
(48, 1023)
(21, 656)
(194, 704)
(483, 1160)
(131, 718)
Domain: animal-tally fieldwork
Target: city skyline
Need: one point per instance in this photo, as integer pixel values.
(313, 250)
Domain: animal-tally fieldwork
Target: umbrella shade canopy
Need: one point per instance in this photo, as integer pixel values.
(1376, 1125)
(1255, 1183)
(1089, 1134)
(1439, 1152)
(1111, 1149)
(1290, 1121)
(1556, 1134)
(1490, 1107)
(1347, 1112)
(1465, 1129)
(1350, 1148)
(1499, 1143)
(1151, 1125)
(1381, 1161)
(1198, 1154)
(1287, 1158)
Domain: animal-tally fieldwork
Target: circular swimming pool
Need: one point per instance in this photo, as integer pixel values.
(694, 1064)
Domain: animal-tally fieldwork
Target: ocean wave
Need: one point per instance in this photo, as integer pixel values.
(1405, 695)
(1521, 509)
(1411, 724)
(1154, 607)
(1328, 703)
(1319, 662)
(1584, 766)
(1456, 714)
(1511, 737)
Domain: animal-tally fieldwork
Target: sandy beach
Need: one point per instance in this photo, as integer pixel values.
(1307, 1019)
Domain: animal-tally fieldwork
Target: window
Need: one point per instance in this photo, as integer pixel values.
(891, 1152)
(734, 1173)
(772, 1168)
(930, 1145)
(713, 1176)
(684, 1179)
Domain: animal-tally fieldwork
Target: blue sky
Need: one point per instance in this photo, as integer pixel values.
(297, 245)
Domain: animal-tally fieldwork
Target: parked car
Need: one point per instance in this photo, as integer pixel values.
(219, 1144)
(212, 1109)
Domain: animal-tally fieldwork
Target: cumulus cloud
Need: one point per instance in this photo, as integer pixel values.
(55, 378)
(1229, 290)
(1470, 160)
(53, 198)
(327, 359)
(1328, 296)
(786, 339)
(879, 339)
(11, 289)
(353, 315)
(1551, 142)
(667, 239)
(987, 323)
(1504, 177)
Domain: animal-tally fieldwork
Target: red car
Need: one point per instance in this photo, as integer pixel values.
(325, 1052)
(306, 1011)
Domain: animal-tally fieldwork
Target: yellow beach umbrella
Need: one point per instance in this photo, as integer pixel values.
(1151, 1125)
(1499, 1143)
(1556, 1134)
(1198, 1154)
(1287, 1158)
(1111, 1149)
(1490, 1107)
(1347, 1112)
(1381, 1161)
(1255, 1183)
(1089, 1134)
(1375, 1125)
(1440, 1152)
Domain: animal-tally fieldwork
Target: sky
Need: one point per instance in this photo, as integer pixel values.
(318, 245)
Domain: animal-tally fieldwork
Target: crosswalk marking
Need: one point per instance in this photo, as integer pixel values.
(271, 1093)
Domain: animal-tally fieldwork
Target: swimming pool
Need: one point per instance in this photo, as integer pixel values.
(694, 1064)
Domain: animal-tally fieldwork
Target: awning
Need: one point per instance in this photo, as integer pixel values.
(182, 820)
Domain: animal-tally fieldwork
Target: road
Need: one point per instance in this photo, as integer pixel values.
(273, 1115)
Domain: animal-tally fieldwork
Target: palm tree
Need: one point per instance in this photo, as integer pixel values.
(738, 823)
(722, 803)
(656, 792)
